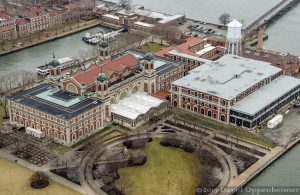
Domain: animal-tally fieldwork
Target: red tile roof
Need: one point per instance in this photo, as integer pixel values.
(22, 21)
(5, 16)
(288, 62)
(184, 47)
(161, 94)
(34, 11)
(72, 6)
(116, 65)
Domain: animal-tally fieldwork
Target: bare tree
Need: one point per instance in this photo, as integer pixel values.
(124, 3)
(8, 82)
(166, 32)
(224, 18)
(124, 185)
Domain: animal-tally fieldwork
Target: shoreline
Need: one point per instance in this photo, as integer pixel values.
(257, 168)
(88, 26)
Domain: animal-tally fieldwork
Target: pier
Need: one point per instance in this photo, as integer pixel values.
(274, 11)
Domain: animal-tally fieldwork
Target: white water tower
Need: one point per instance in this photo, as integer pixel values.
(234, 36)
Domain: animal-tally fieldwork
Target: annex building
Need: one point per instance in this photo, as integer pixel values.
(235, 90)
(72, 107)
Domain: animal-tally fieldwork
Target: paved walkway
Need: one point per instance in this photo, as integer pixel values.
(262, 163)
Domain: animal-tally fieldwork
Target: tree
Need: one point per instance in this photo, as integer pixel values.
(166, 32)
(124, 3)
(12, 82)
(39, 180)
(224, 18)
(124, 185)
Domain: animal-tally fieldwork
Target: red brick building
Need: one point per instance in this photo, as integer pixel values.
(8, 29)
(191, 52)
(23, 26)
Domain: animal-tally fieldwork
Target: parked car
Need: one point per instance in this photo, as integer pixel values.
(297, 105)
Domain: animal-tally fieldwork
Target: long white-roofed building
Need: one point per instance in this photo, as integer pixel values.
(226, 88)
(138, 109)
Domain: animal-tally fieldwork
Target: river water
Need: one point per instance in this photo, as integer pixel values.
(284, 35)
(210, 10)
(29, 59)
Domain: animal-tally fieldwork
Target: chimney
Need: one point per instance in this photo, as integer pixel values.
(260, 43)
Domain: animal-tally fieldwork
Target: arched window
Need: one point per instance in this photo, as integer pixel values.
(188, 107)
(62, 137)
(175, 103)
(195, 109)
(73, 136)
(209, 113)
(222, 118)
(202, 111)
(98, 124)
(55, 134)
(50, 134)
(72, 88)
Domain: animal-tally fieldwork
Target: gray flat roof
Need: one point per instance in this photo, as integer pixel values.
(266, 95)
(49, 99)
(161, 65)
(228, 76)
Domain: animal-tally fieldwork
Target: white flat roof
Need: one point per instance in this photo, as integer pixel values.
(228, 76)
(164, 18)
(134, 106)
(266, 95)
(111, 16)
(207, 48)
(144, 24)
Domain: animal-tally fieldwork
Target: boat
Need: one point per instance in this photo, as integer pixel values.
(62, 63)
(95, 38)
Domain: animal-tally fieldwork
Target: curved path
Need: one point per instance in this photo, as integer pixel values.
(85, 170)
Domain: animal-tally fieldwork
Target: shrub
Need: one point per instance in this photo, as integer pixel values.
(39, 180)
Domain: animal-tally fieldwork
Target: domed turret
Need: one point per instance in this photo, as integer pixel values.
(149, 56)
(54, 62)
(102, 77)
(103, 44)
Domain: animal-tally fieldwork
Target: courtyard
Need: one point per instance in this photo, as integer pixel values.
(16, 181)
(168, 170)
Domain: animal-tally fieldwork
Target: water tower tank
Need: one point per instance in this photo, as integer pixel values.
(234, 32)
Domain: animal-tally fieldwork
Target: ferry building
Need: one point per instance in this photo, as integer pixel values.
(70, 107)
(235, 90)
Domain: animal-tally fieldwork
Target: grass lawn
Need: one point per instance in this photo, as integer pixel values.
(167, 171)
(14, 180)
(2, 114)
(152, 47)
(228, 129)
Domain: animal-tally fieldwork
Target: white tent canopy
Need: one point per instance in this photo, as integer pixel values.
(134, 106)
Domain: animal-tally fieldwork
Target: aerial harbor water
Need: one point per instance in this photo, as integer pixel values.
(209, 11)
(30, 58)
(283, 36)
(284, 33)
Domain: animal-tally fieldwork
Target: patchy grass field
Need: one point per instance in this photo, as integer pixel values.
(228, 129)
(2, 114)
(14, 180)
(168, 170)
(152, 47)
